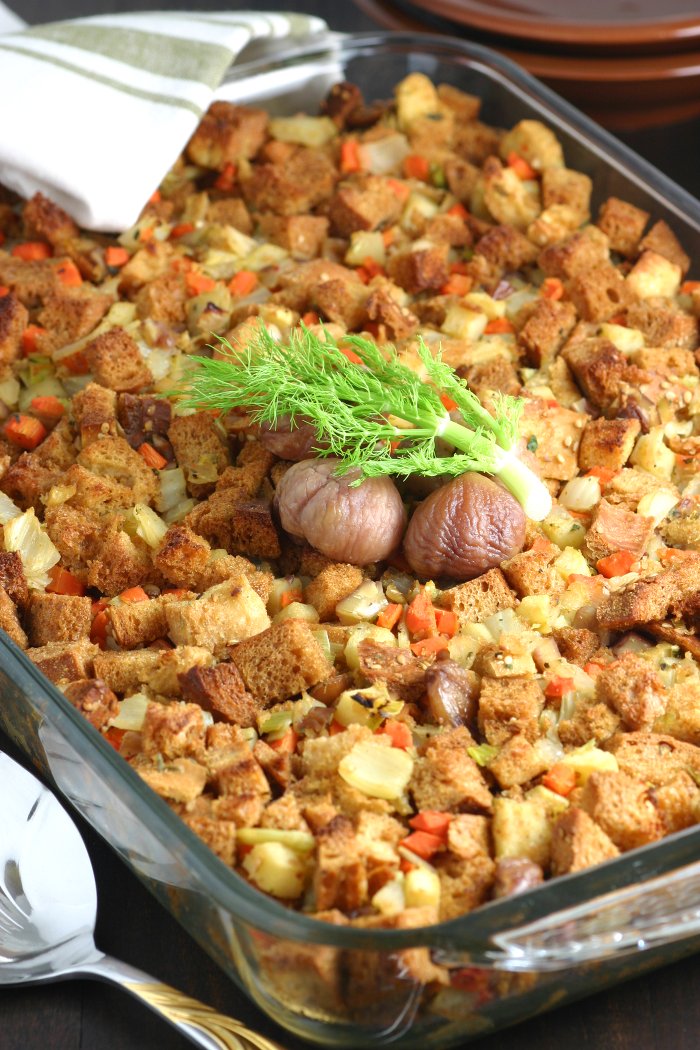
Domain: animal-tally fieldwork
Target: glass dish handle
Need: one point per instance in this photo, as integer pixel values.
(646, 915)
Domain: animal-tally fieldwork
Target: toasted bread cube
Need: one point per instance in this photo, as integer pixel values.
(330, 586)
(508, 707)
(621, 806)
(224, 615)
(653, 275)
(623, 224)
(65, 661)
(662, 240)
(9, 620)
(116, 362)
(13, 321)
(222, 691)
(578, 843)
(95, 413)
(58, 618)
(607, 443)
(281, 661)
(477, 599)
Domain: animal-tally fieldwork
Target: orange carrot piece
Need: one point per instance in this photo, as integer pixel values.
(181, 230)
(69, 274)
(48, 406)
(520, 166)
(152, 456)
(420, 616)
(310, 317)
(196, 283)
(400, 188)
(499, 326)
(457, 284)
(447, 402)
(416, 166)
(432, 821)
(604, 474)
(29, 338)
(459, 210)
(64, 582)
(352, 357)
(287, 743)
(32, 251)
(389, 616)
(134, 594)
(556, 687)
(116, 256)
(398, 732)
(446, 622)
(426, 646)
(423, 844)
(243, 283)
(350, 158)
(24, 431)
(226, 179)
(552, 288)
(616, 564)
(560, 778)
(4, 290)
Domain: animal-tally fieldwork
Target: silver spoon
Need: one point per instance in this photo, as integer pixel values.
(48, 905)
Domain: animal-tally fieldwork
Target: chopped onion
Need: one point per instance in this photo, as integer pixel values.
(580, 494)
(132, 711)
(147, 524)
(382, 156)
(172, 489)
(656, 505)
(377, 770)
(365, 603)
(8, 510)
(26, 535)
(300, 841)
(390, 900)
(422, 888)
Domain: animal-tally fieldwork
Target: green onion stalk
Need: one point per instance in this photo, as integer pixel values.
(372, 412)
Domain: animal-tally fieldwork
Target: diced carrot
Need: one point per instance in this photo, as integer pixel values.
(69, 274)
(4, 290)
(499, 326)
(604, 474)
(32, 251)
(226, 179)
(243, 283)
(405, 866)
(398, 732)
(457, 284)
(416, 166)
(336, 727)
(400, 188)
(146, 234)
(116, 256)
(447, 402)
(426, 646)
(310, 318)
(432, 821)
(688, 287)
(560, 778)
(98, 630)
(420, 616)
(77, 364)
(48, 406)
(155, 197)
(520, 166)
(114, 737)
(152, 456)
(181, 230)
(287, 743)
(616, 564)
(134, 594)
(388, 236)
(541, 545)
(673, 555)
(389, 616)
(423, 844)
(29, 338)
(372, 267)
(558, 686)
(64, 582)
(352, 357)
(592, 668)
(196, 283)
(552, 288)
(182, 264)
(446, 622)
(459, 210)
(24, 431)
(459, 266)
(289, 597)
(350, 158)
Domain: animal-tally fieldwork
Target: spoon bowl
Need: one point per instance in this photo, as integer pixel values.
(48, 907)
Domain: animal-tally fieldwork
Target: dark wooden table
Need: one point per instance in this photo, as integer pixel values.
(658, 1012)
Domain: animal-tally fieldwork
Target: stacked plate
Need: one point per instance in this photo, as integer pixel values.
(627, 63)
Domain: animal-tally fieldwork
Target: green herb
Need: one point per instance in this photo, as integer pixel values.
(483, 754)
(532, 443)
(377, 415)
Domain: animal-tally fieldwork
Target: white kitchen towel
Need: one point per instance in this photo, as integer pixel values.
(96, 110)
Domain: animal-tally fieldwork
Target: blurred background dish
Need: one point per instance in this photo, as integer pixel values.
(623, 91)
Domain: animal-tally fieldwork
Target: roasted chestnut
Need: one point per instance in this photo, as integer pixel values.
(463, 529)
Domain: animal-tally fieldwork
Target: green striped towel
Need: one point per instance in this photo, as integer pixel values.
(97, 109)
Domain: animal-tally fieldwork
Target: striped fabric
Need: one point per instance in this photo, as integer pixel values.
(95, 110)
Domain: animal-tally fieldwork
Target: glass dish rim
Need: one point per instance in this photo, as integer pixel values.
(227, 889)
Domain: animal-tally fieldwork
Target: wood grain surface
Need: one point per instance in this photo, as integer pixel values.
(657, 1012)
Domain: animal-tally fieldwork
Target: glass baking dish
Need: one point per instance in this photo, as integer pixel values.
(433, 986)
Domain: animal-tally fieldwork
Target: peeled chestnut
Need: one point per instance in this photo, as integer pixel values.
(287, 442)
(464, 528)
(357, 525)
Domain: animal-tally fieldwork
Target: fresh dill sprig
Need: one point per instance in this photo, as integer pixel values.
(368, 409)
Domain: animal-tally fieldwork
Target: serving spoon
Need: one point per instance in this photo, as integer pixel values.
(48, 906)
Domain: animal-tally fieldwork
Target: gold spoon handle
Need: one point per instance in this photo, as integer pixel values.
(199, 1022)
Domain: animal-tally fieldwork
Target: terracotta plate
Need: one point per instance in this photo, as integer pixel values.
(624, 93)
(602, 24)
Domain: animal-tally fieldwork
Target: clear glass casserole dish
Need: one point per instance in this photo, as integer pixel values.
(509, 959)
